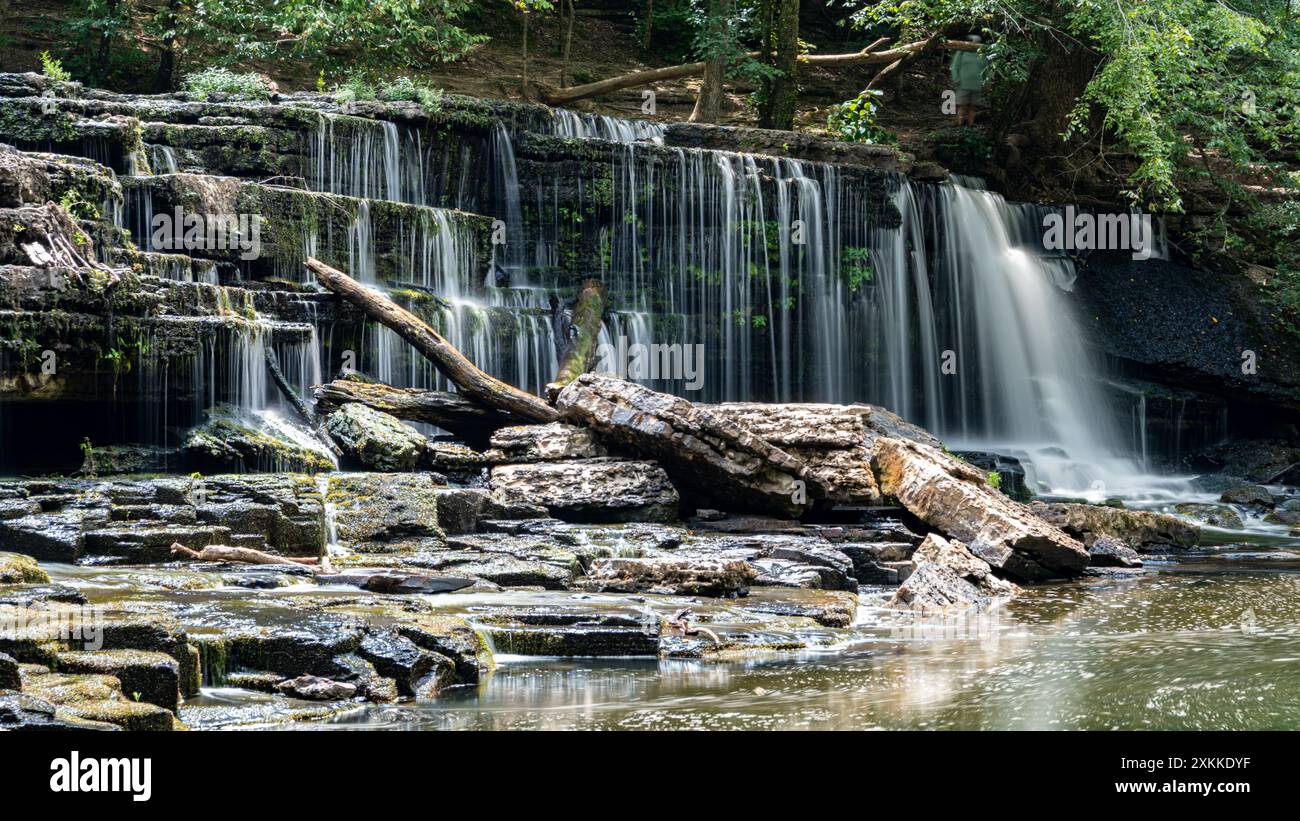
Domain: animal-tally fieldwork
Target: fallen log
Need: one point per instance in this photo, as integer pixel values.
(242, 555)
(577, 334)
(699, 449)
(450, 411)
(564, 96)
(467, 376)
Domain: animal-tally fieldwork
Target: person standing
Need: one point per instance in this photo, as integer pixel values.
(968, 74)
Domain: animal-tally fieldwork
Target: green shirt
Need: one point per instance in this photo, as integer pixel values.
(968, 69)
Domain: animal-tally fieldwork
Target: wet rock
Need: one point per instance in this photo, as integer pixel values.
(947, 574)
(702, 450)
(877, 562)
(502, 568)
(1136, 528)
(21, 711)
(453, 638)
(441, 677)
(16, 568)
(316, 688)
(1283, 517)
(370, 684)
(111, 460)
(374, 440)
(543, 443)
(283, 513)
(9, 679)
(309, 645)
(1011, 474)
(53, 537)
(138, 544)
(18, 508)
(460, 510)
(383, 507)
(828, 608)
(574, 640)
(671, 576)
(1262, 461)
(96, 697)
(457, 462)
(1255, 497)
(590, 490)
(225, 444)
(955, 498)
(1213, 515)
(145, 676)
(1107, 551)
(385, 580)
(398, 658)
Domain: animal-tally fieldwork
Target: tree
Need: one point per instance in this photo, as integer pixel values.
(780, 22)
(526, 8)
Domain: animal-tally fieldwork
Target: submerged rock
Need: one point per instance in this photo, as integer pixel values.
(590, 490)
(374, 440)
(955, 498)
(1136, 528)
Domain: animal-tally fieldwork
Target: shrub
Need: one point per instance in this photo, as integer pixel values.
(248, 86)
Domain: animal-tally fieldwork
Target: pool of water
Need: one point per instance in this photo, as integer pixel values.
(1207, 640)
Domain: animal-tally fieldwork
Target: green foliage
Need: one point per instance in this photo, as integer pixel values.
(74, 204)
(672, 30)
(995, 480)
(53, 68)
(247, 86)
(403, 89)
(856, 267)
(855, 120)
(1176, 81)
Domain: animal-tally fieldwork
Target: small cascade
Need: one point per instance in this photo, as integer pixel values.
(575, 126)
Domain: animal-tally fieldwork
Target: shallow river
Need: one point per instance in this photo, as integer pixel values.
(1210, 640)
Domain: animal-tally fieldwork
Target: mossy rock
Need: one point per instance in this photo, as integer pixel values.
(16, 568)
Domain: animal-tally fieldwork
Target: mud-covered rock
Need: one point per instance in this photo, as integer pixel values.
(956, 498)
(374, 440)
(590, 490)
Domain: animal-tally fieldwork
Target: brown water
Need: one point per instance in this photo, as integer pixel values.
(1208, 641)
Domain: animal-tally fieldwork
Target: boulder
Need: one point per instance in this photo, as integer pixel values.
(315, 688)
(671, 576)
(390, 581)
(398, 658)
(374, 440)
(1255, 497)
(383, 507)
(590, 490)
(702, 450)
(1135, 528)
(1212, 515)
(16, 568)
(463, 509)
(956, 499)
(1107, 551)
(947, 574)
(543, 443)
(226, 443)
(145, 676)
(50, 537)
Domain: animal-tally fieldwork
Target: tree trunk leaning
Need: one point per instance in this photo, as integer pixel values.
(580, 332)
(464, 374)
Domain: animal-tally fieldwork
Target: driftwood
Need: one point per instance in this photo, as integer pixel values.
(308, 415)
(564, 96)
(449, 411)
(243, 555)
(467, 376)
(577, 334)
